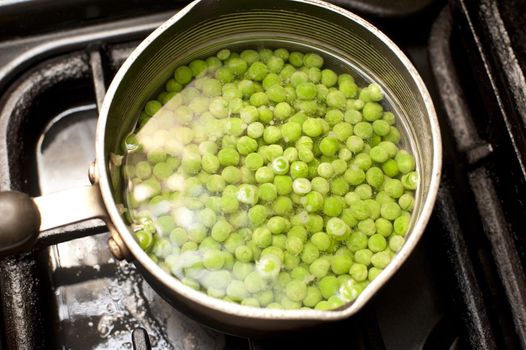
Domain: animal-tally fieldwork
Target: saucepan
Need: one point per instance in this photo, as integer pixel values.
(199, 30)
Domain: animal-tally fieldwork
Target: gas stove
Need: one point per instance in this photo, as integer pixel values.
(463, 286)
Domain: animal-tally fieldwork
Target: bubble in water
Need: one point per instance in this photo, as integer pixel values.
(111, 308)
(105, 326)
(115, 293)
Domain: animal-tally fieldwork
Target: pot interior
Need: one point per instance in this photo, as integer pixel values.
(345, 44)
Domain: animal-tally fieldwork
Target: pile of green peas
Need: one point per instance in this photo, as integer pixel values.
(263, 178)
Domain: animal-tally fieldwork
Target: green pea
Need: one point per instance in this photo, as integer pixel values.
(264, 175)
(329, 146)
(396, 243)
(257, 71)
(280, 181)
(291, 131)
(341, 264)
(410, 180)
(328, 286)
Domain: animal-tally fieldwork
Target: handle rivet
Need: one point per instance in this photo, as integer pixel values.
(92, 173)
(115, 249)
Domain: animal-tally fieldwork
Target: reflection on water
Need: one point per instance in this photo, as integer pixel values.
(100, 301)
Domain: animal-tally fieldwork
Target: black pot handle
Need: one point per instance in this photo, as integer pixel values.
(19, 222)
(22, 218)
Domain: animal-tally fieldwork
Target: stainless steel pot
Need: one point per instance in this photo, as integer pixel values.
(199, 30)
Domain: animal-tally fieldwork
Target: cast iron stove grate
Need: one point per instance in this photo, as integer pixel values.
(461, 287)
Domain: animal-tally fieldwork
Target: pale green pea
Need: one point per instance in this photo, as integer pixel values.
(267, 192)
(328, 286)
(328, 78)
(333, 206)
(363, 161)
(278, 224)
(296, 59)
(253, 161)
(358, 272)
(401, 225)
(325, 170)
(265, 55)
(320, 184)
(390, 168)
(259, 99)
(384, 227)
(348, 88)
(264, 175)
(306, 91)
(283, 184)
(363, 256)
(268, 266)
(320, 267)
(312, 127)
(380, 259)
(291, 131)
(183, 75)
(301, 186)
(396, 242)
(250, 56)
(355, 143)
(340, 264)
(314, 223)
(291, 154)
(393, 136)
(310, 253)
(336, 227)
(306, 155)
(363, 130)
(372, 111)
(294, 245)
(313, 201)
(390, 211)
(246, 145)
(231, 174)
(271, 134)
(410, 180)
(257, 71)
(262, 237)
(393, 188)
(406, 201)
(282, 206)
(298, 231)
(339, 166)
(258, 214)
(314, 75)
(357, 241)
(339, 186)
(336, 99)
(329, 146)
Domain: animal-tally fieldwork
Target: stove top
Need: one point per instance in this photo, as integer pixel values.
(461, 288)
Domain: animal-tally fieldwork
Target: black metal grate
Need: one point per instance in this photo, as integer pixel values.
(464, 285)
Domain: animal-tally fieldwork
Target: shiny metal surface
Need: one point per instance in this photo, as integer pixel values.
(201, 28)
(70, 206)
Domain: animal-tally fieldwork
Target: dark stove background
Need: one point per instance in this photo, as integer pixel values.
(463, 287)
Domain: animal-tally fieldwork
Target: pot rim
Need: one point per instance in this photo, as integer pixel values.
(174, 284)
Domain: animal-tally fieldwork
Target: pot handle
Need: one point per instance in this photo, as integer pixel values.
(22, 218)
